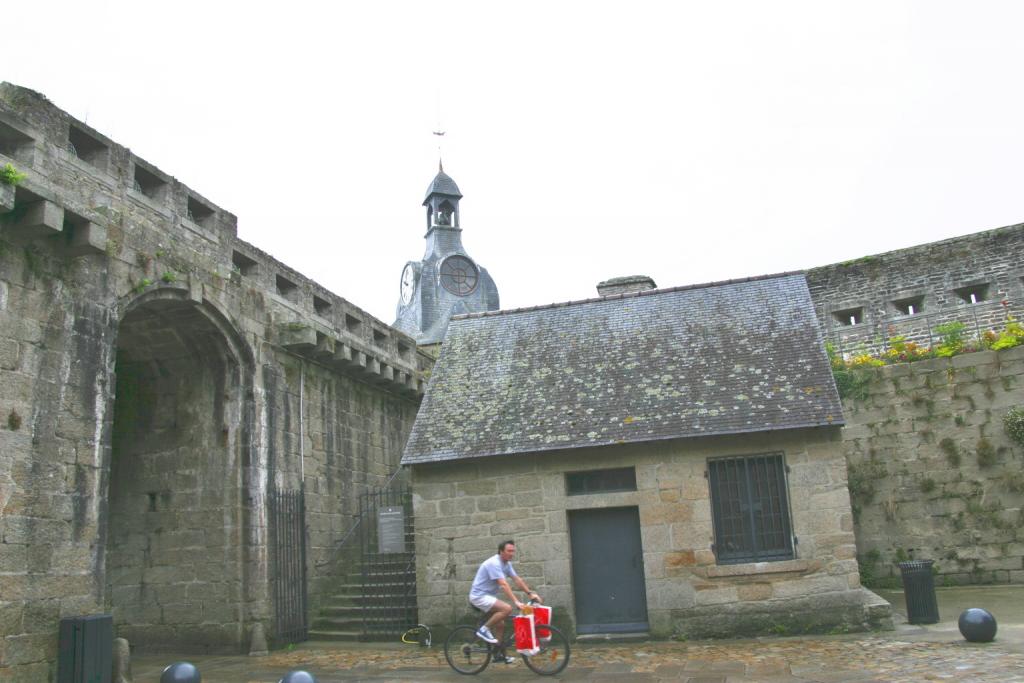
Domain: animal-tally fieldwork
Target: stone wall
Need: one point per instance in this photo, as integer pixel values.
(933, 474)
(463, 509)
(159, 378)
(936, 279)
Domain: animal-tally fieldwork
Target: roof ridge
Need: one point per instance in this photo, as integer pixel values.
(627, 295)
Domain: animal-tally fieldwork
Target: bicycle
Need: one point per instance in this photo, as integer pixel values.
(469, 654)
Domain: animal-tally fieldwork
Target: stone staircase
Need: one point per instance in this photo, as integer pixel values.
(381, 610)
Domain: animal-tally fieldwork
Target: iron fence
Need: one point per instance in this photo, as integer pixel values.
(287, 511)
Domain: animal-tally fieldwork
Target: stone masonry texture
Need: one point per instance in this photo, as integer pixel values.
(159, 378)
(936, 279)
(933, 474)
(464, 508)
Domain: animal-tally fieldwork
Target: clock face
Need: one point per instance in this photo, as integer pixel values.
(459, 275)
(408, 283)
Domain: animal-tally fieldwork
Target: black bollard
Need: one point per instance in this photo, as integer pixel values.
(181, 672)
(977, 625)
(298, 676)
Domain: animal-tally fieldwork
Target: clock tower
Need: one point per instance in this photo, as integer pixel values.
(446, 281)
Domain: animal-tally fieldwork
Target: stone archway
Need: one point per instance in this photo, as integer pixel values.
(174, 552)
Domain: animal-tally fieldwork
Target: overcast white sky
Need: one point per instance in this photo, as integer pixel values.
(686, 141)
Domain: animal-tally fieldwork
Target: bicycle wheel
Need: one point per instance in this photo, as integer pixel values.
(553, 655)
(465, 652)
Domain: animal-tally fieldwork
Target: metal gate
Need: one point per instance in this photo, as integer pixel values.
(288, 540)
(388, 562)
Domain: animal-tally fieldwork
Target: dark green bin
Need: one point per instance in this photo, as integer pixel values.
(919, 591)
(85, 649)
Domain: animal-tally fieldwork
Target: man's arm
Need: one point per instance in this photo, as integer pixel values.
(526, 589)
(503, 584)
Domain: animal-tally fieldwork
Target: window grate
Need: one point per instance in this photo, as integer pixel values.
(750, 509)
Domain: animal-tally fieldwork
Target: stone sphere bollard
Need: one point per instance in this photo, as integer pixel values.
(181, 672)
(977, 625)
(298, 676)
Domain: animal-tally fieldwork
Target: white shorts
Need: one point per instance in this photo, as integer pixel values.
(482, 601)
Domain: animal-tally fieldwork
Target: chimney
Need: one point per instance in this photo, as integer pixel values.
(622, 285)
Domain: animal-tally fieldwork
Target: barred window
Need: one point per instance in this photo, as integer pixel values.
(750, 508)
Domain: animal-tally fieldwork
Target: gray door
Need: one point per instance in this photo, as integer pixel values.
(608, 570)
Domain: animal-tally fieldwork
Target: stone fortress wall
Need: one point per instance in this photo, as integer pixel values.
(909, 292)
(236, 377)
(932, 473)
(917, 482)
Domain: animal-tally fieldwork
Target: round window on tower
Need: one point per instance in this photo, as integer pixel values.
(459, 275)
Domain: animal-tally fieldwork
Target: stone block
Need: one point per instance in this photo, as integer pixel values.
(666, 513)
(482, 487)
(809, 585)
(41, 219)
(9, 354)
(712, 595)
(11, 615)
(27, 649)
(7, 193)
(668, 594)
(88, 238)
(674, 561)
(754, 591)
(13, 558)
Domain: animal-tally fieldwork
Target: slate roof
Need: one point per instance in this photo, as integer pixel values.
(724, 358)
(442, 184)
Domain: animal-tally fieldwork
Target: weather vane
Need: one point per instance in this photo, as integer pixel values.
(439, 132)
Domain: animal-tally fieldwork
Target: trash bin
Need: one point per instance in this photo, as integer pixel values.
(919, 590)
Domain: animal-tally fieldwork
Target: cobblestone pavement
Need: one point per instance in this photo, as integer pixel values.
(908, 655)
(834, 659)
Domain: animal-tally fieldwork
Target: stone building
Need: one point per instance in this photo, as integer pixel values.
(446, 281)
(186, 422)
(976, 279)
(665, 466)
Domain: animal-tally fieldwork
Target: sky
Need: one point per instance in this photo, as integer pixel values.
(687, 141)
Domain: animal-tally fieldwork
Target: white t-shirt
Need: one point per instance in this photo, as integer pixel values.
(486, 581)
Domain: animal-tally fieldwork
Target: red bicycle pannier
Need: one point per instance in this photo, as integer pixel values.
(526, 634)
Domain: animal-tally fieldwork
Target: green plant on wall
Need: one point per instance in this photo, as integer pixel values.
(852, 378)
(1013, 423)
(862, 480)
(951, 339)
(951, 450)
(10, 175)
(986, 453)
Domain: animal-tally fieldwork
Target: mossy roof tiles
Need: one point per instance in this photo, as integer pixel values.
(725, 358)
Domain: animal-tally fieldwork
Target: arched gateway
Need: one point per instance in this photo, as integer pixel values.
(176, 524)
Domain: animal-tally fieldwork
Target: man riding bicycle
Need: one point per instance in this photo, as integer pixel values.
(492, 577)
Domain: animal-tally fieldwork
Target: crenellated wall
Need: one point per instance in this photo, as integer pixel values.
(908, 292)
(159, 379)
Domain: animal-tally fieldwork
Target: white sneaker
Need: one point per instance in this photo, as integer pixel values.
(484, 633)
(504, 658)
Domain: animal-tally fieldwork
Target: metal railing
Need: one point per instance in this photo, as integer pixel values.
(872, 336)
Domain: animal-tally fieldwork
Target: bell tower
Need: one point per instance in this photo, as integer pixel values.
(446, 281)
